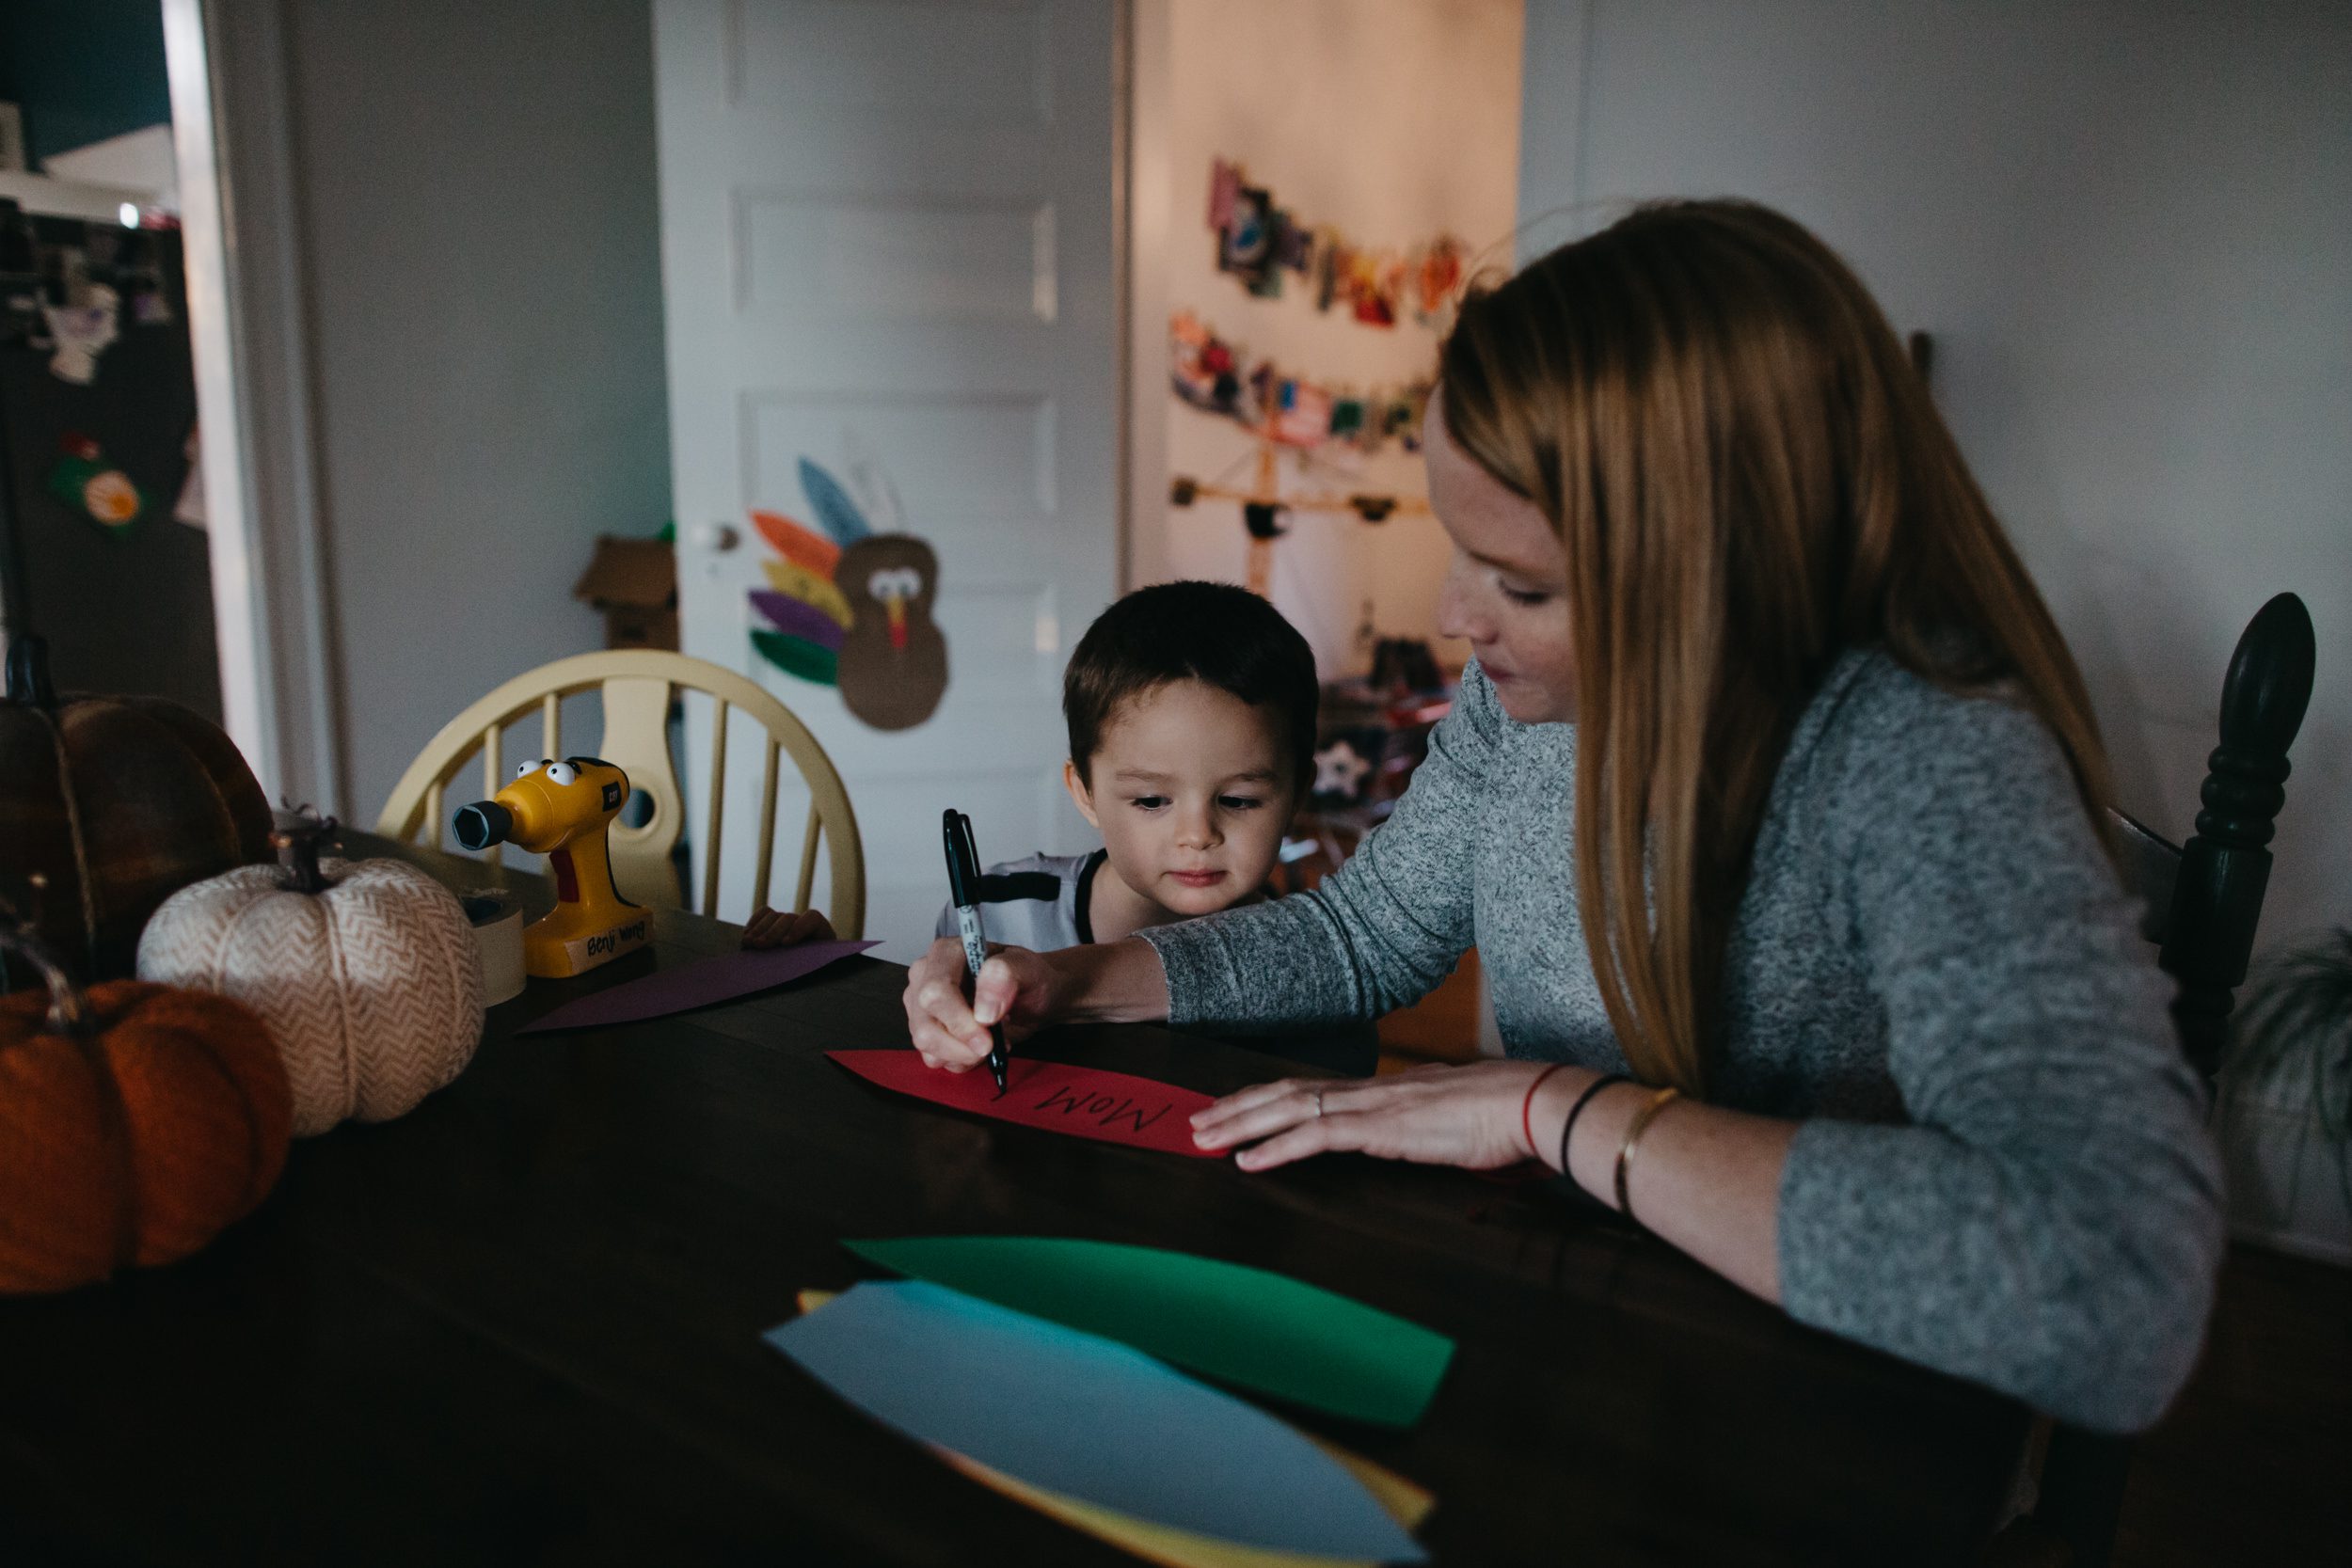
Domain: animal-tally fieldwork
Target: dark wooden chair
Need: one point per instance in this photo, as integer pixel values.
(2203, 900)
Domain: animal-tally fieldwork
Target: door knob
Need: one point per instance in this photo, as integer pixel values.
(718, 538)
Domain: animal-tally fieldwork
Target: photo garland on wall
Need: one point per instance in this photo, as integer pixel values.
(1218, 377)
(850, 608)
(1258, 241)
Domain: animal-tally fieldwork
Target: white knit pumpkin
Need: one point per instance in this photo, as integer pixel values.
(372, 988)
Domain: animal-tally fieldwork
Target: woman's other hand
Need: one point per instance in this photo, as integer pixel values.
(1016, 986)
(1433, 1115)
(783, 928)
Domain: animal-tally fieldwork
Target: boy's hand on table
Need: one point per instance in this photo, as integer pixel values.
(1016, 986)
(783, 928)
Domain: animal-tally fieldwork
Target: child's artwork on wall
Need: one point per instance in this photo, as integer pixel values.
(850, 608)
(1217, 376)
(1287, 412)
(893, 658)
(1258, 241)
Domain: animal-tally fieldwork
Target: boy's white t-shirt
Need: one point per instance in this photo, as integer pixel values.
(1039, 903)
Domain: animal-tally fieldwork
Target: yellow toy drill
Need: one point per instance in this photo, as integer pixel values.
(560, 810)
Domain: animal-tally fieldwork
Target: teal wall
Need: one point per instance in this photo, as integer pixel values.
(82, 69)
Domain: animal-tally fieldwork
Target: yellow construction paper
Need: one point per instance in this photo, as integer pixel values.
(1174, 1547)
(807, 587)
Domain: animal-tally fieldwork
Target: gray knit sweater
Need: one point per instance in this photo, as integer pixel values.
(2003, 1170)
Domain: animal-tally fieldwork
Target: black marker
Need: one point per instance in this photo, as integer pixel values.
(963, 890)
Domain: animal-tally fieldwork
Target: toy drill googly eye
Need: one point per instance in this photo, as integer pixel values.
(524, 769)
(562, 773)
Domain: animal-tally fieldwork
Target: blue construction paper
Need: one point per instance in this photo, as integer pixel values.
(834, 508)
(1086, 1417)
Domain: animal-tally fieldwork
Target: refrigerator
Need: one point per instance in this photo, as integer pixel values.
(97, 415)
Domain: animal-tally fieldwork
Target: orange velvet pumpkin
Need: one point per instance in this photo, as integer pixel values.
(135, 1122)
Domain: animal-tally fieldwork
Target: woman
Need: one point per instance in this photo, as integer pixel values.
(1773, 789)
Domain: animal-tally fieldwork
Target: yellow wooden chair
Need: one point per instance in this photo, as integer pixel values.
(637, 685)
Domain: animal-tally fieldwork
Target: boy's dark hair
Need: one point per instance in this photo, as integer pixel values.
(1212, 632)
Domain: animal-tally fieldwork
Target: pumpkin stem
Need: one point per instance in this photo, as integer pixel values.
(68, 1013)
(28, 672)
(297, 837)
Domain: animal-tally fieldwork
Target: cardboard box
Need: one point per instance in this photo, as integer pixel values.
(634, 582)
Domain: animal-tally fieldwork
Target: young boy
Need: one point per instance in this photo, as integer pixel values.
(1191, 710)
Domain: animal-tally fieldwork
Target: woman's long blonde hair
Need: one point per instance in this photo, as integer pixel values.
(1748, 477)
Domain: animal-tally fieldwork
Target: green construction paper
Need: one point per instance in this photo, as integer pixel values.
(795, 656)
(1260, 1331)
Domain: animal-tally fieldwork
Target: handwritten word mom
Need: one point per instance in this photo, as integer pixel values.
(1106, 1109)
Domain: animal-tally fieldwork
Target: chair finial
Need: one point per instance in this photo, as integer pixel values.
(2225, 869)
(2269, 684)
(2263, 701)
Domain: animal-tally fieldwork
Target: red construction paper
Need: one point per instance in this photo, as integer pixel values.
(696, 985)
(1083, 1101)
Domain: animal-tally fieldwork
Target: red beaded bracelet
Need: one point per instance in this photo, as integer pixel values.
(1527, 1107)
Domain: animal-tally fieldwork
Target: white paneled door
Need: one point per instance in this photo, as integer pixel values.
(887, 250)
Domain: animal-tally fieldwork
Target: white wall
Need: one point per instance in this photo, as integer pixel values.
(1395, 121)
(479, 235)
(2127, 227)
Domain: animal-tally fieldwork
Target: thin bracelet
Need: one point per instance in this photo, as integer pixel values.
(1567, 1128)
(1640, 1124)
(1527, 1128)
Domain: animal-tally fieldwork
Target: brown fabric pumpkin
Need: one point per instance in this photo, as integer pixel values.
(135, 1122)
(118, 803)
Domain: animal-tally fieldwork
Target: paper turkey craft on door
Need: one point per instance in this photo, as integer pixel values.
(852, 608)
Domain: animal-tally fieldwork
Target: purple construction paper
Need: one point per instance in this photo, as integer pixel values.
(696, 985)
(789, 615)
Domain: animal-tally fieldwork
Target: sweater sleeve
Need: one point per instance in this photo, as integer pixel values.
(2048, 1223)
(1379, 934)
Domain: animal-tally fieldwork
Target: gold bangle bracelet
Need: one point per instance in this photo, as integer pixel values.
(1634, 1129)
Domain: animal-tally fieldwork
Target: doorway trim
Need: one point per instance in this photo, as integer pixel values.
(248, 320)
(1142, 218)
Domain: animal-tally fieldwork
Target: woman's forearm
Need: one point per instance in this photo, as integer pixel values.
(1701, 1177)
(1117, 982)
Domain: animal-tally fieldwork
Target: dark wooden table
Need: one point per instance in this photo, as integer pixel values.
(521, 1324)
